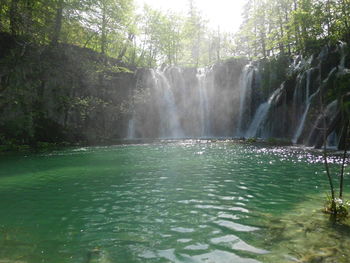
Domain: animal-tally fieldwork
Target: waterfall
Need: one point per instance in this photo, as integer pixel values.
(170, 124)
(316, 136)
(246, 83)
(259, 118)
(203, 103)
(131, 128)
(300, 128)
(332, 141)
(308, 100)
(262, 113)
(342, 50)
(225, 100)
(298, 96)
(174, 102)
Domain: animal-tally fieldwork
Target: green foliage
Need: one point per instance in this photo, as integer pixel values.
(103, 68)
(112, 27)
(273, 73)
(337, 86)
(273, 27)
(337, 207)
(342, 84)
(103, 25)
(177, 39)
(251, 140)
(279, 142)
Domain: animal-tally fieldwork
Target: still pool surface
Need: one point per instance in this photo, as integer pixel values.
(185, 201)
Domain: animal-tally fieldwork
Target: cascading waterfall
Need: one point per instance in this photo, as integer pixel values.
(302, 88)
(204, 103)
(258, 119)
(223, 101)
(169, 119)
(309, 98)
(178, 103)
(298, 95)
(246, 82)
(343, 53)
(303, 117)
(131, 129)
(307, 102)
(262, 113)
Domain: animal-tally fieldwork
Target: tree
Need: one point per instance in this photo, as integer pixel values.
(195, 29)
(111, 19)
(292, 26)
(58, 22)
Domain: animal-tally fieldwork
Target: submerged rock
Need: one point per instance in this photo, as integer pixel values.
(306, 235)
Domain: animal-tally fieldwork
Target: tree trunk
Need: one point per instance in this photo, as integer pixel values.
(28, 19)
(218, 46)
(1, 15)
(198, 46)
(14, 17)
(325, 157)
(103, 30)
(328, 9)
(286, 17)
(296, 29)
(281, 46)
(345, 16)
(341, 185)
(58, 24)
(130, 39)
(263, 44)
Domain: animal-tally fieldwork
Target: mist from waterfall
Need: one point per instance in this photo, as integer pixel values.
(170, 124)
(131, 129)
(246, 82)
(258, 119)
(176, 103)
(229, 100)
(297, 102)
(261, 115)
(204, 103)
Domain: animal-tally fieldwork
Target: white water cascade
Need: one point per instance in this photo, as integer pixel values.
(246, 82)
(259, 118)
(131, 129)
(204, 103)
(226, 99)
(343, 53)
(169, 118)
(308, 100)
(303, 117)
(178, 103)
(262, 113)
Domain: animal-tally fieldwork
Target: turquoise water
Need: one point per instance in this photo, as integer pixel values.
(186, 201)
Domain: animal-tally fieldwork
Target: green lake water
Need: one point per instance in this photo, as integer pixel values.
(181, 201)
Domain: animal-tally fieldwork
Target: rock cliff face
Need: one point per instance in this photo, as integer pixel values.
(310, 104)
(72, 94)
(61, 94)
(302, 100)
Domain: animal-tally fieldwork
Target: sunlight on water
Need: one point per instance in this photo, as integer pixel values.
(172, 201)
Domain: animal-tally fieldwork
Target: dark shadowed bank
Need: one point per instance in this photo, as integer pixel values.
(60, 94)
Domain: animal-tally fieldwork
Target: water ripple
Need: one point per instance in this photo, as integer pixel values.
(178, 201)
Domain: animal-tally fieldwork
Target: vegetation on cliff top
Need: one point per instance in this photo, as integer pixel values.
(152, 37)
